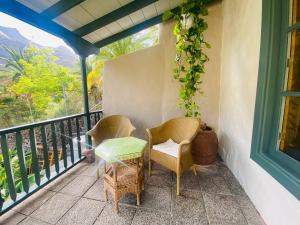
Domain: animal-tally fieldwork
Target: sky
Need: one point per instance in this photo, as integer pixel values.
(30, 32)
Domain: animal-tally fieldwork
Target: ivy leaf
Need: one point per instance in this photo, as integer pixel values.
(167, 15)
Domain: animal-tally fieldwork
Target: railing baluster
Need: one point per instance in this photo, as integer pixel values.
(54, 145)
(8, 169)
(78, 137)
(63, 143)
(71, 140)
(22, 165)
(35, 165)
(95, 119)
(98, 117)
(45, 151)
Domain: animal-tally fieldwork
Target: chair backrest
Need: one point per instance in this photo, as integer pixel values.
(179, 129)
(111, 127)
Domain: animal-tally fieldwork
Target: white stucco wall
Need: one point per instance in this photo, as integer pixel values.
(239, 73)
(141, 85)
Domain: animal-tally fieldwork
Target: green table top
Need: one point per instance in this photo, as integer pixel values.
(118, 149)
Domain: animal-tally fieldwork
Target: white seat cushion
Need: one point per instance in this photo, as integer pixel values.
(169, 147)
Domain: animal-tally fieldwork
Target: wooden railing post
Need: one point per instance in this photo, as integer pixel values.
(87, 122)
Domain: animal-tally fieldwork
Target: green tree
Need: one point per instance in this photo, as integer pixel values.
(44, 82)
(138, 41)
(13, 62)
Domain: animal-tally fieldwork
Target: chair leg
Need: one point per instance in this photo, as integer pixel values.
(149, 167)
(106, 195)
(98, 173)
(138, 199)
(178, 184)
(117, 206)
(195, 171)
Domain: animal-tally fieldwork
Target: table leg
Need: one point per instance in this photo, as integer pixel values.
(138, 182)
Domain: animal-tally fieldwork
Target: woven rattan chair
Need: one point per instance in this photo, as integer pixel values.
(114, 126)
(111, 127)
(177, 134)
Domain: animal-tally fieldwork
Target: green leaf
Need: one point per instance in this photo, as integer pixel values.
(167, 15)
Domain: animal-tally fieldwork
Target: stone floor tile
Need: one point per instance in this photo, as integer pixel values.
(79, 168)
(109, 216)
(209, 170)
(128, 199)
(157, 198)
(188, 181)
(78, 186)
(11, 218)
(159, 178)
(91, 170)
(55, 208)
(233, 184)
(251, 214)
(34, 202)
(189, 221)
(223, 208)
(96, 191)
(156, 166)
(32, 221)
(188, 208)
(213, 184)
(60, 182)
(84, 212)
(150, 217)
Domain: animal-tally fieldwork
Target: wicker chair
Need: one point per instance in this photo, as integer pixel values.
(177, 134)
(111, 127)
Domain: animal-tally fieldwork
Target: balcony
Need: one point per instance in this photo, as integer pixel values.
(214, 196)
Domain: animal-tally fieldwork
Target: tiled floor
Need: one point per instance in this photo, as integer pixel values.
(213, 197)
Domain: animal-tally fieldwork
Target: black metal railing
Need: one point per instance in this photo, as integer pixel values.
(33, 155)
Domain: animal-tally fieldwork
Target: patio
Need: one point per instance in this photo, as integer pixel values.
(214, 196)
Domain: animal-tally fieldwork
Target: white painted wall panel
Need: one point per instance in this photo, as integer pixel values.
(103, 32)
(99, 8)
(114, 27)
(125, 22)
(67, 21)
(37, 5)
(137, 17)
(162, 6)
(124, 2)
(80, 15)
(149, 11)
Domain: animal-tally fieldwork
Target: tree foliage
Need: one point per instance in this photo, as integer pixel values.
(42, 87)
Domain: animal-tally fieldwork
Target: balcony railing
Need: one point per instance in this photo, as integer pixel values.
(35, 154)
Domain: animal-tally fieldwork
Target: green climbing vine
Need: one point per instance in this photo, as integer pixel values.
(190, 57)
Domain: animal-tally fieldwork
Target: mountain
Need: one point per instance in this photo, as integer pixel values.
(11, 37)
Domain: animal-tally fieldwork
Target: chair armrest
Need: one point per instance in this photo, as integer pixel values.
(154, 135)
(91, 132)
(149, 137)
(183, 147)
(131, 129)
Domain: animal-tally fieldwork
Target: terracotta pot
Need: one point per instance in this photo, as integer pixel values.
(205, 147)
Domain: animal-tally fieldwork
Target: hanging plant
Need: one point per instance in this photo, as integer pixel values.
(190, 57)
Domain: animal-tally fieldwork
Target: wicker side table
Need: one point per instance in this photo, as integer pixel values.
(124, 167)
